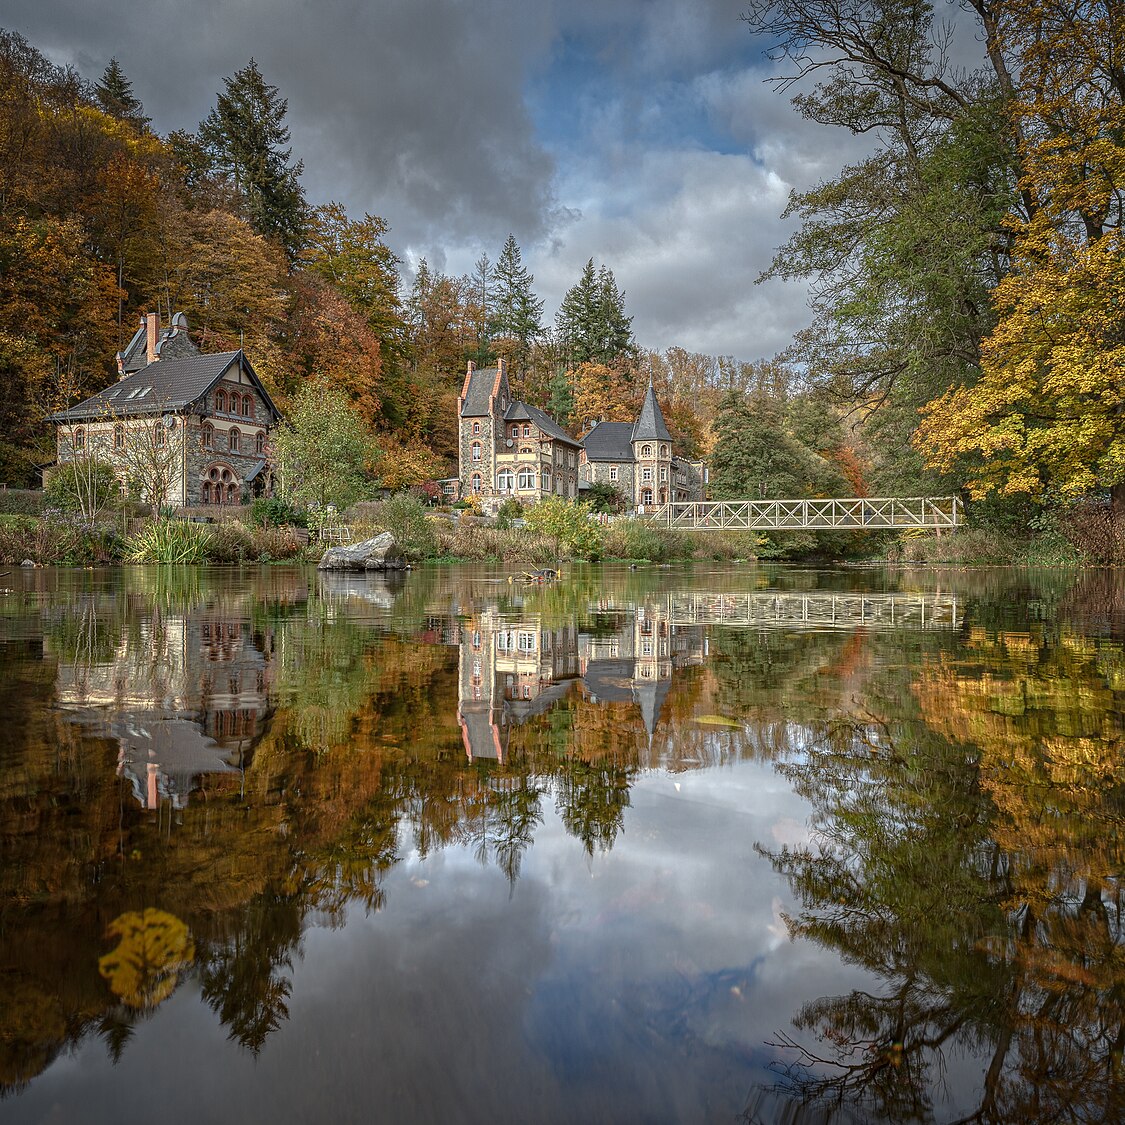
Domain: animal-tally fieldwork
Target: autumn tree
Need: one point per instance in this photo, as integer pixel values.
(246, 138)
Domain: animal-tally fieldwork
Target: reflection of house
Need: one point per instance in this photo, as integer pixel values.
(187, 698)
(509, 670)
(634, 656)
(193, 427)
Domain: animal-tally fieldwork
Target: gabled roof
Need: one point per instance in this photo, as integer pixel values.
(609, 441)
(478, 388)
(649, 425)
(172, 344)
(520, 411)
(166, 385)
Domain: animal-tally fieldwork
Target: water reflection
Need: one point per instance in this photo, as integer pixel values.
(201, 767)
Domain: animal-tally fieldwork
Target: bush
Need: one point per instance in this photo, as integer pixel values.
(57, 540)
(231, 543)
(478, 543)
(87, 488)
(273, 511)
(570, 525)
(510, 509)
(605, 497)
(20, 502)
(405, 518)
(1095, 533)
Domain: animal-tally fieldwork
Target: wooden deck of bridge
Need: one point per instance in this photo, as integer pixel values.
(931, 513)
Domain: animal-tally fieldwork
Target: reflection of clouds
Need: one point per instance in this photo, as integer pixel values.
(789, 833)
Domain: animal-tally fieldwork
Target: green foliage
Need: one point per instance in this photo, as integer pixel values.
(115, 95)
(86, 485)
(516, 312)
(405, 518)
(569, 525)
(169, 541)
(245, 137)
(605, 497)
(591, 320)
(641, 540)
(323, 451)
(56, 542)
(21, 501)
(508, 511)
(274, 511)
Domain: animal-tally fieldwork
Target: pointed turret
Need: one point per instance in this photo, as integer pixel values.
(649, 425)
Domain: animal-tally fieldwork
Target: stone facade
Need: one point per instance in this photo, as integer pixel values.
(193, 429)
(508, 449)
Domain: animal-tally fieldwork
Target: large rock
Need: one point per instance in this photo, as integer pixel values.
(380, 553)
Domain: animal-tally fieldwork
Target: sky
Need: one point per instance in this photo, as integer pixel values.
(641, 133)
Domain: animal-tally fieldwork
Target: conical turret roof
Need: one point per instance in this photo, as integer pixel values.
(649, 425)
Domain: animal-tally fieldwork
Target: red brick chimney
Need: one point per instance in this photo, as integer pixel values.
(152, 331)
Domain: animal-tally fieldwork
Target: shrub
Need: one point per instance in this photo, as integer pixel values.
(20, 502)
(273, 543)
(509, 510)
(569, 525)
(1094, 532)
(59, 539)
(405, 518)
(231, 543)
(605, 497)
(273, 511)
(169, 541)
(478, 543)
(85, 486)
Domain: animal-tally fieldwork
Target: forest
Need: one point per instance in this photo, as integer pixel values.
(964, 276)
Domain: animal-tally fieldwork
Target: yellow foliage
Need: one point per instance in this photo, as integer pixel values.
(144, 968)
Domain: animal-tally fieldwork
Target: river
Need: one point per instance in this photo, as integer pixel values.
(710, 843)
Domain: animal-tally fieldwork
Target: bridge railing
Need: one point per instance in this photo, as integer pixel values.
(850, 514)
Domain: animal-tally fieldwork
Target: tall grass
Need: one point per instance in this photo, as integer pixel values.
(169, 541)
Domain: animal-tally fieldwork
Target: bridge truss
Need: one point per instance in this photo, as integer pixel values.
(853, 514)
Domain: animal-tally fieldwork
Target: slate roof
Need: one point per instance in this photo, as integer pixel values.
(170, 345)
(172, 384)
(649, 425)
(609, 441)
(520, 411)
(481, 382)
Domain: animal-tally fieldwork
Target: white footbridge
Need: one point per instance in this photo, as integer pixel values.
(923, 513)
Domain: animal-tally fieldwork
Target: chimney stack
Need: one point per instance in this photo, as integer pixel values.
(152, 327)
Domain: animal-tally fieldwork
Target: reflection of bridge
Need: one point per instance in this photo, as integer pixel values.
(772, 609)
(853, 514)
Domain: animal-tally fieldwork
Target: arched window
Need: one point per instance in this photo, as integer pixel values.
(232, 493)
(234, 440)
(527, 479)
(505, 480)
(476, 427)
(247, 406)
(205, 492)
(515, 431)
(646, 496)
(663, 451)
(159, 435)
(546, 480)
(119, 435)
(476, 482)
(526, 430)
(221, 401)
(260, 443)
(476, 450)
(79, 439)
(208, 438)
(646, 450)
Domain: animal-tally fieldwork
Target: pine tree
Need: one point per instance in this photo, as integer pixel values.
(115, 95)
(754, 458)
(246, 137)
(517, 312)
(591, 320)
(481, 301)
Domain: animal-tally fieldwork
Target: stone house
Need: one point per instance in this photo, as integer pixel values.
(507, 448)
(190, 429)
(638, 459)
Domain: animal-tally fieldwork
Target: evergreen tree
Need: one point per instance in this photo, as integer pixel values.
(481, 301)
(591, 320)
(754, 458)
(115, 95)
(516, 311)
(246, 136)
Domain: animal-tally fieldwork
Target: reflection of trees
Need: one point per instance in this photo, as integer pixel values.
(972, 864)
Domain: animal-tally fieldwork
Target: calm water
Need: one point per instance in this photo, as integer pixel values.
(771, 845)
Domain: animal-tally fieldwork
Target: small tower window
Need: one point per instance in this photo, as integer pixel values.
(476, 427)
(476, 450)
(646, 450)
